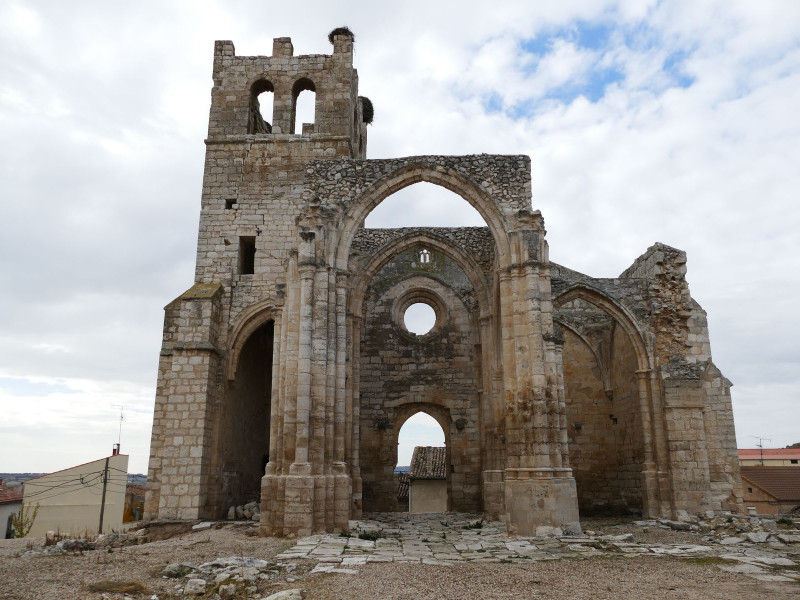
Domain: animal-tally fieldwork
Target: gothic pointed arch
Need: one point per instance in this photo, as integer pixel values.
(614, 309)
(429, 240)
(415, 172)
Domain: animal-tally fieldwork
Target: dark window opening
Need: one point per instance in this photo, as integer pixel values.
(749, 490)
(229, 203)
(793, 461)
(247, 255)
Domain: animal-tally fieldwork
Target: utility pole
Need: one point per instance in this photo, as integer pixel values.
(760, 446)
(103, 499)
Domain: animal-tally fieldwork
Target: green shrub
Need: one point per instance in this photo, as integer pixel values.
(22, 522)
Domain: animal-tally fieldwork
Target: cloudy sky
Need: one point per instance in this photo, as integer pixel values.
(646, 121)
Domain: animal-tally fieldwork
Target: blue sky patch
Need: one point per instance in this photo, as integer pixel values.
(673, 66)
(593, 36)
(493, 103)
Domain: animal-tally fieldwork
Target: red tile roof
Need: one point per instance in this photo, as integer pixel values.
(428, 462)
(402, 485)
(10, 495)
(782, 483)
(772, 453)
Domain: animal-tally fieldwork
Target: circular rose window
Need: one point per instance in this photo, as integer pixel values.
(419, 318)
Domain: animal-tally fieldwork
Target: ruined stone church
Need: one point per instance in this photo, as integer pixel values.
(286, 370)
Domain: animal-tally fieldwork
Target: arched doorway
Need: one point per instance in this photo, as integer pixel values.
(421, 444)
(245, 419)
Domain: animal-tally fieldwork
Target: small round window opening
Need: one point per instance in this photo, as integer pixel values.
(424, 256)
(419, 318)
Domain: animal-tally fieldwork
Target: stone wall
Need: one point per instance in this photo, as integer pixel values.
(402, 373)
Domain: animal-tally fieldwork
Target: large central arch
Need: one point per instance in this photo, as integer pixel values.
(410, 174)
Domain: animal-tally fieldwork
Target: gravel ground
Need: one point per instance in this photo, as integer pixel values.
(617, 576)
(591, 579)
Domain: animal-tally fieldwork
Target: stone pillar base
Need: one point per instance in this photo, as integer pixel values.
(536, 497)
(494, 495)
(287, 505)
(343, 492)
(299, 505)
(356, 506)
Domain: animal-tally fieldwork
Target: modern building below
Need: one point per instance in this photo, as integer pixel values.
(772, 490)
(82, 500)
(769, 457)
(427, 478)
(10, 503)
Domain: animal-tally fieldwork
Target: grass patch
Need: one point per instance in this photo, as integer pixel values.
(475, 525)
(370, 536)
(117, 587)
(345, 533)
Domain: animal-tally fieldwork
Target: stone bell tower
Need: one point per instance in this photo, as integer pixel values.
(220, 414)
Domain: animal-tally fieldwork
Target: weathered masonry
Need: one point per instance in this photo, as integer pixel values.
(286, 370)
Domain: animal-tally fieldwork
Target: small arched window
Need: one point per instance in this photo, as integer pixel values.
(424, 256)
(261, 101)
(304, 98)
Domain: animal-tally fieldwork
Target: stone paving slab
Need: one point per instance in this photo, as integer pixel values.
(449, 538)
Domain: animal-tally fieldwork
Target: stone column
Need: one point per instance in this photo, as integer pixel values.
(493, 490)
(650, 487)
(539, 490)
(666, 505)
(342, 483)
(299, 495)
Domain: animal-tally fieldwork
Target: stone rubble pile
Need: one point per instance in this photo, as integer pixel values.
(251, 510)
(729, 528)
(230, 577)
(102, 541)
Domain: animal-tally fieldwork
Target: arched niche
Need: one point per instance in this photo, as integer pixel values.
(423, 240)
(606, 413)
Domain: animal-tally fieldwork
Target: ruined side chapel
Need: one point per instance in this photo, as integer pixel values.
(286, 370)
